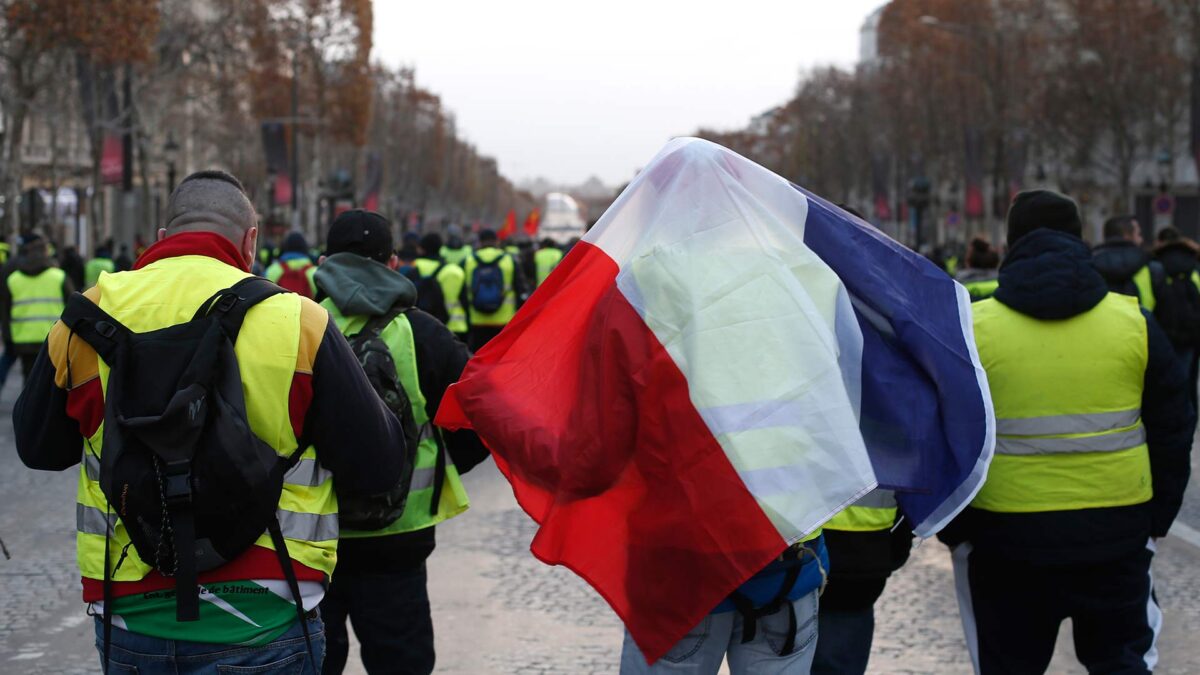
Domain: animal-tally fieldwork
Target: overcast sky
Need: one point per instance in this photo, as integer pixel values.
(567, 90)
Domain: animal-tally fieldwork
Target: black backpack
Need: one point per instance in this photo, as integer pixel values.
(1177, 309)
(487, 285)
(192, 483)
(430, 297)
(378, 511)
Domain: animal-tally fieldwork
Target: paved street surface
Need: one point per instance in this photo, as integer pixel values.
(498, 610)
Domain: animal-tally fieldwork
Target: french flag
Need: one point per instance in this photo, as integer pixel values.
(723, 363)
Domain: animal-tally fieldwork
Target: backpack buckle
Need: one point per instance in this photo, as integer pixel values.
(106, 329)
(226, 303)
(177, 489)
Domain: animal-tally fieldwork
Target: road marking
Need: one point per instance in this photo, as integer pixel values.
(1186, 533)
(26, 656)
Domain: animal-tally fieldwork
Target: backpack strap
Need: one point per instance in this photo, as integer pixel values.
(97, 328)
(231, 304)
(376, 324)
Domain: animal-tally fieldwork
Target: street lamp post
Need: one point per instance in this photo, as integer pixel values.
(171, 153)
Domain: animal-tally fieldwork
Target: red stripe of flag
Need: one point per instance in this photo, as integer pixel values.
(590, 420)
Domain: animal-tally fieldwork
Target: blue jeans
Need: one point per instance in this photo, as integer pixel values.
(287, 655)
(719, 636)
(845, 643)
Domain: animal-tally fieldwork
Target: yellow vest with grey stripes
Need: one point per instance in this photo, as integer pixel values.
(419, 510)
(1068, 397)
(166, 293)
(37, 302)
(874, 512)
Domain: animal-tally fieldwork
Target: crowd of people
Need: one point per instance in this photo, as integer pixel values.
(1087, 354)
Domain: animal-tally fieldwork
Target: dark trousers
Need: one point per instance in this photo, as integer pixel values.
(7, 359)
(27, 361)
(1017, 608)
(391, 619)
(481, 335)
(843, 640)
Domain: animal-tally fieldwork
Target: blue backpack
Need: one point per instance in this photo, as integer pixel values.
(487, 285)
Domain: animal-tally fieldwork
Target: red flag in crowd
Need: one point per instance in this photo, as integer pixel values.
(532, 221)
(510, 226)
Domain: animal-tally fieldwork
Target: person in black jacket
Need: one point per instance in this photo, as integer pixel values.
(1122, 261)
(381, 580)
(1094, 430)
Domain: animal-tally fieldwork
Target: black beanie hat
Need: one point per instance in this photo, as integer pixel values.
(1032, 209)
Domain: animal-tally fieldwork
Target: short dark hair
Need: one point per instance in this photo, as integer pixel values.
(431, 244)
(215, 174)
(1169, 234)
(981, 255)
(1119, 227)
(488, 235)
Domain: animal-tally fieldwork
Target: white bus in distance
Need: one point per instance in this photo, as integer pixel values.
(561, 220)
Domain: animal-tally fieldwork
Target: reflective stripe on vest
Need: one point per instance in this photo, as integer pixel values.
(418, 509)
(1068, 400)
(508, 268)
(874, 512)
(166, 293)
(37, 302)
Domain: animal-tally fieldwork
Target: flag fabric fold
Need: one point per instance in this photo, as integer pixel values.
(694, 388)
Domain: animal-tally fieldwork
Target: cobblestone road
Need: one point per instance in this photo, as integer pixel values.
(496, 608)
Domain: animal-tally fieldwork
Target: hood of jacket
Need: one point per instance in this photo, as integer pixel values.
(33, 265)
(1177, 258)
(361, 286)
(1050, 275)
(1118, 260)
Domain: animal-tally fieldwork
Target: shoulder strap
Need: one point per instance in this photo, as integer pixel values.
(231, 304)
(376, 324)
(97, 328)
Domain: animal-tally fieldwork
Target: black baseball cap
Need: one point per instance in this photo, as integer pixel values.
(365, 233)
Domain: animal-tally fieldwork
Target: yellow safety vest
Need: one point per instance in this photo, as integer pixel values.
(508, 268)
(546, 259)
(1068, 397)
(419, 512)
(874, 512)
(93, 269)
(37, 302)
(981, 289)
(456, 256)
(166, 293)
(1145, 288)
(451, 279)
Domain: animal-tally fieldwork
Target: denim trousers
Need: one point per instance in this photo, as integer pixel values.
(286, 655)
(719, 637)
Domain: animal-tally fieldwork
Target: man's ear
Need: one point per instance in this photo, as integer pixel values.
(250, 245)
(162, 234)
(394, 262)
(321, 260)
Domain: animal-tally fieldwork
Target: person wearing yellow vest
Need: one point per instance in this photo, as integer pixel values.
(455, 251)
(546, 259)
(300, 380)
(1093, 434)
(380, 583)
(102, 263)
(1123, 263)
(1178, 298)
(979, 277)
(294, 269)
(31, 299)
(867, 541)
(494, 289)
(447, 306)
